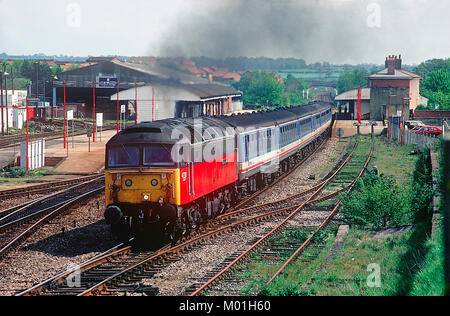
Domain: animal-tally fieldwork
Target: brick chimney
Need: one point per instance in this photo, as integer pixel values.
(392, 63)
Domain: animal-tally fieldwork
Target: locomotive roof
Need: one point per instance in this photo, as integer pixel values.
(162, 131)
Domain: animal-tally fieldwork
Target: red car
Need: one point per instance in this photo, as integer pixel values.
(427, 130)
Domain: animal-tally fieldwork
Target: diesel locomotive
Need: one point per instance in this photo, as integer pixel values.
(173, 175)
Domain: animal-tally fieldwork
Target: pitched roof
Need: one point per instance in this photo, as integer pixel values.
(353, 95)
(206, 91)
(399, 74)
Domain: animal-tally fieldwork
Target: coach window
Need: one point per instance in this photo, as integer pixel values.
(246, 144)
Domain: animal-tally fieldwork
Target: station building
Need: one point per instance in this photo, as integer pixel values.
(170, 92)
(388, 91)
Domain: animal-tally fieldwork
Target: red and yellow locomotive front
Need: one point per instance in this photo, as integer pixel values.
(149, 181)
(142, 184)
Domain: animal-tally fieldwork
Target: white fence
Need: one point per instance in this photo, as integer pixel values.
(409, 138)
(36, 154)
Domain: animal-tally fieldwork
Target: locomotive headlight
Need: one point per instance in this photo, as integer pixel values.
(128, 183)
(154, 182)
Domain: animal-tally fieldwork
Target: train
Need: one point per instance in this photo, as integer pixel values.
(173, 175)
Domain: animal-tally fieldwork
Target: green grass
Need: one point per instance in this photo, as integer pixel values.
(258, 271)
(430, 279)
(410, 264)
(347, 274)
(19, 176)
(394, 160)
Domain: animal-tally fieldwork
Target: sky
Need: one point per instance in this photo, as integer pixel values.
(335, 31)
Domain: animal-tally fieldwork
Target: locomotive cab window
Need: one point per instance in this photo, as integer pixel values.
(157, 155)
(123, 156)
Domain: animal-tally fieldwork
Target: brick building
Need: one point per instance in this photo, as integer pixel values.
(392, 86)
(395, 86)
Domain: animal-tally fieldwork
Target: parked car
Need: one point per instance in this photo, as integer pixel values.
(427, 130)
(412, 124)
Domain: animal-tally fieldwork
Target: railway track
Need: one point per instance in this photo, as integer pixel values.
(267, 242)
(104, 269)
(18, 223)
(121, 271)
(43, 188)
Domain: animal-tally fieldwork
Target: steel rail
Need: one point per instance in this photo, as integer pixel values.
(162, 253)
(37, 289)
(97, 288)
(30, 230)
(274, 231)
(14, 193)
(17, 210)
(323, 224)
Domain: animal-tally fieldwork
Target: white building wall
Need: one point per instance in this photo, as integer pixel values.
(36, 154)
(10, 118)
(165, 99)
(17, 99)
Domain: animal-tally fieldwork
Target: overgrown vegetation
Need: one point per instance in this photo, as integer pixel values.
(410, 263)
(379, 202)
(17, 173)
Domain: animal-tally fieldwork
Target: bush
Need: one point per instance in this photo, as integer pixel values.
(376, 203)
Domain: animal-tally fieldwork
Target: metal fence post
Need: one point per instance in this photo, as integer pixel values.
(446, 209)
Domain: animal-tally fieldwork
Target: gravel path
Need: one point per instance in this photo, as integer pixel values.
(50, 250)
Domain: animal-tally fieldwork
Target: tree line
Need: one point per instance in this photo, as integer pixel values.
(436, 83)
(266, 90)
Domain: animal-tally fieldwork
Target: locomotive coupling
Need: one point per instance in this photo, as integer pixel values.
(113, 215)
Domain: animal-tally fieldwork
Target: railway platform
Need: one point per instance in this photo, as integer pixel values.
(77, 160)
(349, 130)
